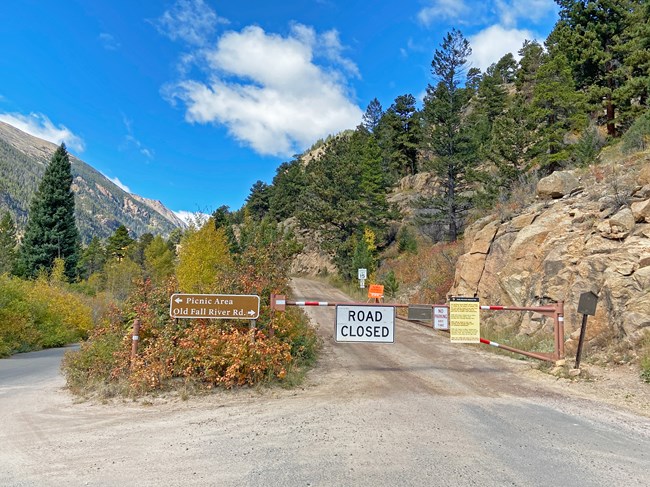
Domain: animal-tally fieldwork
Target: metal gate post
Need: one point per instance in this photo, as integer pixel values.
(559, 330)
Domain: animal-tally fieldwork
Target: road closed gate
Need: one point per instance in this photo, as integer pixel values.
(361, 325)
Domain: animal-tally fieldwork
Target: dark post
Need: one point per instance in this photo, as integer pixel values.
(583, 330)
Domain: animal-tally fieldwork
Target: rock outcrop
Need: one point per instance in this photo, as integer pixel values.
(591, 234)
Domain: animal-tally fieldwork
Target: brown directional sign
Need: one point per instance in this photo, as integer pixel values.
(224, 306)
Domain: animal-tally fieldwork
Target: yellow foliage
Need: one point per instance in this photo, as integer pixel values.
(369, 237)
(57, 275)
(62, 307)
(203, 259)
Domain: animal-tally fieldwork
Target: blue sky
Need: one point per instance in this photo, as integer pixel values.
(191, 101)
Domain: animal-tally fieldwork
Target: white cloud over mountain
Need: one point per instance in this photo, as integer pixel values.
(41, 126)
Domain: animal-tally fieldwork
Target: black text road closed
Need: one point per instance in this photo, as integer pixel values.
(369, 324)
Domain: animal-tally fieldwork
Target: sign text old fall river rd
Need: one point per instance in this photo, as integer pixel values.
(225, 306)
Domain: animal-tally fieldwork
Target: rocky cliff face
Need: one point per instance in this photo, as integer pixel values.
(589, 230)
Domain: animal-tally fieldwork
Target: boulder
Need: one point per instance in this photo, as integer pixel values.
(641, 211)
(618, 226)
(644, 174)
(557, 185)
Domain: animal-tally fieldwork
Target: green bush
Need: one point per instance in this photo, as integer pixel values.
(391, 286)
(637, 138)
(406, 241)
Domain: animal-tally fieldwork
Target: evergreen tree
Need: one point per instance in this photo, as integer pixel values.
(532, 56)
(559, 110)
(513, 146)
(453, 151)
(363, 255)
(119, 244)
(258, 200)
(8, 243)
(138, 248)
(288, 186)
(373, 115)
(400, 136)
(223, 218)
(591, 34)
(51, 230)
(632, 95)
(345, 192)
(506, 69)
(93, 258)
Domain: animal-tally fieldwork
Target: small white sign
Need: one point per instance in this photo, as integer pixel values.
(363, 274)
(362, 283)
(368, 324)
(440, 318)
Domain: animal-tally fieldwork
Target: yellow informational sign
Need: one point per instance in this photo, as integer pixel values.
(464, 320)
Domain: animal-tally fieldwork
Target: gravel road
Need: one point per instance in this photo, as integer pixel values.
(417, 412)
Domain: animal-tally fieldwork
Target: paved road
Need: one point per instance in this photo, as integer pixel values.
(416, 412)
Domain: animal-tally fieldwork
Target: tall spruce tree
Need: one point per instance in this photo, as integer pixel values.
(8, 243)
(51, 230)
(372, 116)
(452, 150)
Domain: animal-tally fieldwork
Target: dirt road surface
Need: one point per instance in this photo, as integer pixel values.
(419, 412)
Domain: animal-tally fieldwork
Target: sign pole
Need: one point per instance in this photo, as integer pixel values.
(583, 331)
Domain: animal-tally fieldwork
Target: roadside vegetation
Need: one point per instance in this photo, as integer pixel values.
(200, 353)
(484, 137)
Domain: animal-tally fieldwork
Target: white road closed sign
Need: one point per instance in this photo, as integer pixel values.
(368, 324)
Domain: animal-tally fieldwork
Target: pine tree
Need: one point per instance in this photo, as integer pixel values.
(400, 136)
(559, 109)
(288, 186)
(514, 142)
(258, 199)
(118, 244)
(8, 243)
(372, 116)
(532, 56)
(93, 258)
(51, 230)
(452, 148)
(591, 34)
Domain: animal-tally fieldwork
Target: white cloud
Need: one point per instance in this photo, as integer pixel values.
(108, 42)
(189, 20)
(40, 126)
(505, 12)
(195, 218)
(269, 91)
(511, 11)
(491, 44)
(444, 9)
(131, 141)
(118, 183)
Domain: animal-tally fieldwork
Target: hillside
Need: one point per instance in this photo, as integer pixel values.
(101, 206)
